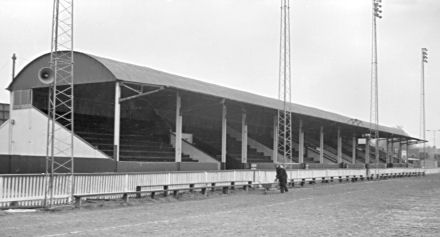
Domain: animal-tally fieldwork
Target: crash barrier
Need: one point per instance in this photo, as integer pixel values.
(347, 178)
(165, 189)
(30, 190)
(432, 171)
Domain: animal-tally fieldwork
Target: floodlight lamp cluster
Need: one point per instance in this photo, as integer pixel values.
(425, 55)
(377, 9)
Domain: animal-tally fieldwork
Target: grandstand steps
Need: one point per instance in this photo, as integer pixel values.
(211, 144)
(312, 149)
(139, 140)
(310, 160)
(206, 147)
(382, 155)
(360, 155)
(330, 152)
(256, 151)
(253, 156)
(147, 153)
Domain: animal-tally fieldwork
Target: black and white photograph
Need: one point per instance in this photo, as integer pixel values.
(219, 118)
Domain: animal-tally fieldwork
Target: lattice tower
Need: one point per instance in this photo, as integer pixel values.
(284, 86)
(422, 99)
(59, 152)
(374, 91)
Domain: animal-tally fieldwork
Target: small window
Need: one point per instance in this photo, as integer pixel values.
(22, 99)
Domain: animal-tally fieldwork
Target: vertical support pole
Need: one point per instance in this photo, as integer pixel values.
(399, 155)
(367, 151)
(2, 194)
(392, 151)
(374, 99)
(11, 94)
(422, 105)
(387, 145)
(224, 133)
(407, 151)
(178, 137)
(377, 148)
(14, 58)
(321, 145)
(126, 188)
(117, 122)
(304, 148)
(339, 141)
(275, 140)
(353, 149)
(11, 127)
(301, 143)
(244, 139)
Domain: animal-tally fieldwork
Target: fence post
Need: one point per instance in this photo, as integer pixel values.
(126, 183)
(1, 188)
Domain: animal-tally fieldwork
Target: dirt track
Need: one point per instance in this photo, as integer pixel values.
(396, 207)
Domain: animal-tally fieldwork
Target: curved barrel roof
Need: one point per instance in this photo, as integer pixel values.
(93, 69)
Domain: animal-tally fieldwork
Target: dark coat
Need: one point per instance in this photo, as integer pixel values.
(281, 174)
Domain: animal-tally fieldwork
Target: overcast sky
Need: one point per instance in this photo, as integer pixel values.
(235, 43)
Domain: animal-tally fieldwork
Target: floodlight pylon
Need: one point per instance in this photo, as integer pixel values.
(374, 88)
(60, 149)
(284, 125)
(422, 99)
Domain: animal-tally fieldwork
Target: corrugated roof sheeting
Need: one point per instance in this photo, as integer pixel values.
(139, 74)
(88, 70)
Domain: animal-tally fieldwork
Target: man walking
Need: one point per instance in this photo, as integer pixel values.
(282, 178)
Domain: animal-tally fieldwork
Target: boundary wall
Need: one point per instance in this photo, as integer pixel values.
(16, 164)
(29, 190)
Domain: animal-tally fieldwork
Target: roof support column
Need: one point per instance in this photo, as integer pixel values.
(275, 140)
(392, 151)
(244, 139)
(377, 150)
(224, 133)
(399, 155)
(353, 149)
(301, 143)
(178, 137)
(321, 145)
(117, 122)
(367, 150)
(407, 151)
(339, 140)
(387, 145)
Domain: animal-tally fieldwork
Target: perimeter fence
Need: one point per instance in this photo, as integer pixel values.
(28, 190)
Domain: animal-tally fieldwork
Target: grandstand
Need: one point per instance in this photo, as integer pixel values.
(150, 103)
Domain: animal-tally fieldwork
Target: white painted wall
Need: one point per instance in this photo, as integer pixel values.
(253, 143)
(196, 154)
(29, 131)
(4, 137)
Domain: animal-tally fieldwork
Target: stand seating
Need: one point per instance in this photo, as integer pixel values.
(139, 140)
